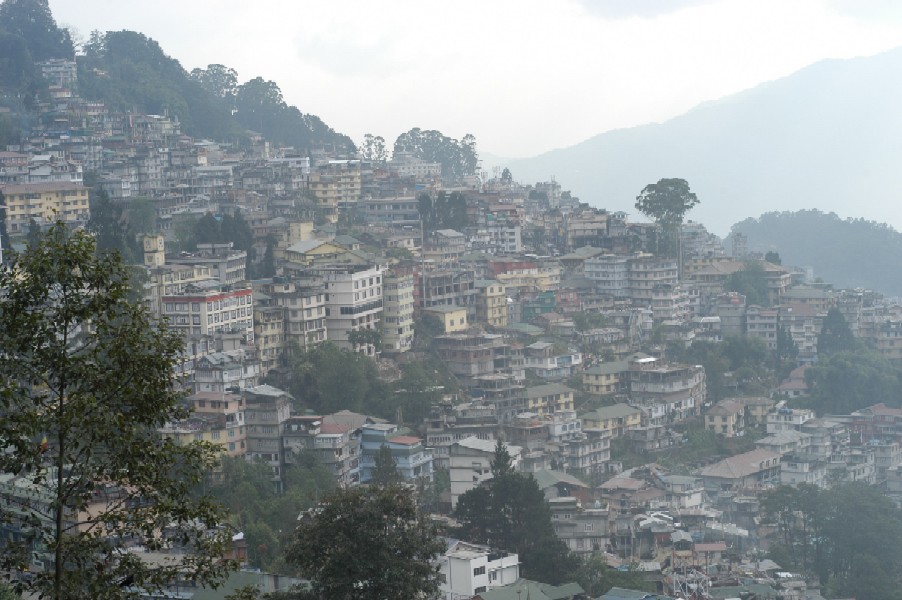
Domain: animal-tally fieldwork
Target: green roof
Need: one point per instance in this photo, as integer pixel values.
(524, 589)
(761, 591)
(608, 368)
(547, 478)
(616, 593)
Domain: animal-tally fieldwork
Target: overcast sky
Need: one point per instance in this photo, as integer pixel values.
(523, 76)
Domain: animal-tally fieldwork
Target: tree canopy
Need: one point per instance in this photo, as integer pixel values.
(86, 381)
(458, 158)
(667, 202)
(368, 543)
(840, 535)
(509, 512)
(836, 335)
(32, 21)
(847, 252)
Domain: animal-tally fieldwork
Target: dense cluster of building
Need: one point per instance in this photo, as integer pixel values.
(536, 300)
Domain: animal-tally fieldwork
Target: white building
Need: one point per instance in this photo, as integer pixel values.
(610, 274)
(785, 419)
(397, 316)
(470, 463)
(468, 569)
(353, 303)
(207, 309)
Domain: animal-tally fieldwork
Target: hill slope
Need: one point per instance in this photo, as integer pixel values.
(826, 137)
(846, 252)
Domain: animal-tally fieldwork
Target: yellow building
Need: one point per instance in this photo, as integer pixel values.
(532, 280)
(217, 419)
(549, 398)
(491, 303)
(616, 419)
(727, 417)
(335, 185)
(453, 318)
(44, 203)
(606, 379)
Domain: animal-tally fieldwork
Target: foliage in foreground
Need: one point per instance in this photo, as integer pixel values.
(368, 543)
(846, 536)
(85, 384)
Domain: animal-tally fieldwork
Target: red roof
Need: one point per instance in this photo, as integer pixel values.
(407, 440)
(332, 428)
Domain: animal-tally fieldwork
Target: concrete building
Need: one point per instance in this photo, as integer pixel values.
(266, 410)
(331, 444)
(397, 314)
(467, 570)
(666, 393)
(491, 303)
(205, 309)
(412, 460)
(354, 302)
(470, 464)
(44, 203)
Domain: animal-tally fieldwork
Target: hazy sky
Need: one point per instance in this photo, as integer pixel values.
(523, 76)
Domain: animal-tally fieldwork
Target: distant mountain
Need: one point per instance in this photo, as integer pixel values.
(827, 137)
(848, 253)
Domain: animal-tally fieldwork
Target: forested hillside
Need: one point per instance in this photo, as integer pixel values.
(130, 72)
(845, 252)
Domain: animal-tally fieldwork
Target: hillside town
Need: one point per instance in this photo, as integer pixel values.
(557, 330)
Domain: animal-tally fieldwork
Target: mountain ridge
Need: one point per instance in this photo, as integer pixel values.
(772, 147)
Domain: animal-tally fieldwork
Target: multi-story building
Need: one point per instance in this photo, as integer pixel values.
(304, 310)
(726, 418)
(447, 287)
(330, 443)
(610, 274)
(397, 211)
(785, 419)
(549, 399)
(227, 266)
(228, 408)
(397, 314)
(666, 393)
(470, 464)
(413, 461)
(354, 302)
(266, 410)
(607, 378)
(764, 324)
(491, 303)
(616, 420)
(471, 355)
(468, 570)
(44, 203)
(549, 362)
(269, 333)
(647, 272)
(211, 309)
(502, 392)
(445, 247)
(218, 372)
(335, 185)
(583, 529)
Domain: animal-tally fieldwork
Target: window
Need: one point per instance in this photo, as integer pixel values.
(480, 589)
(479, 570)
